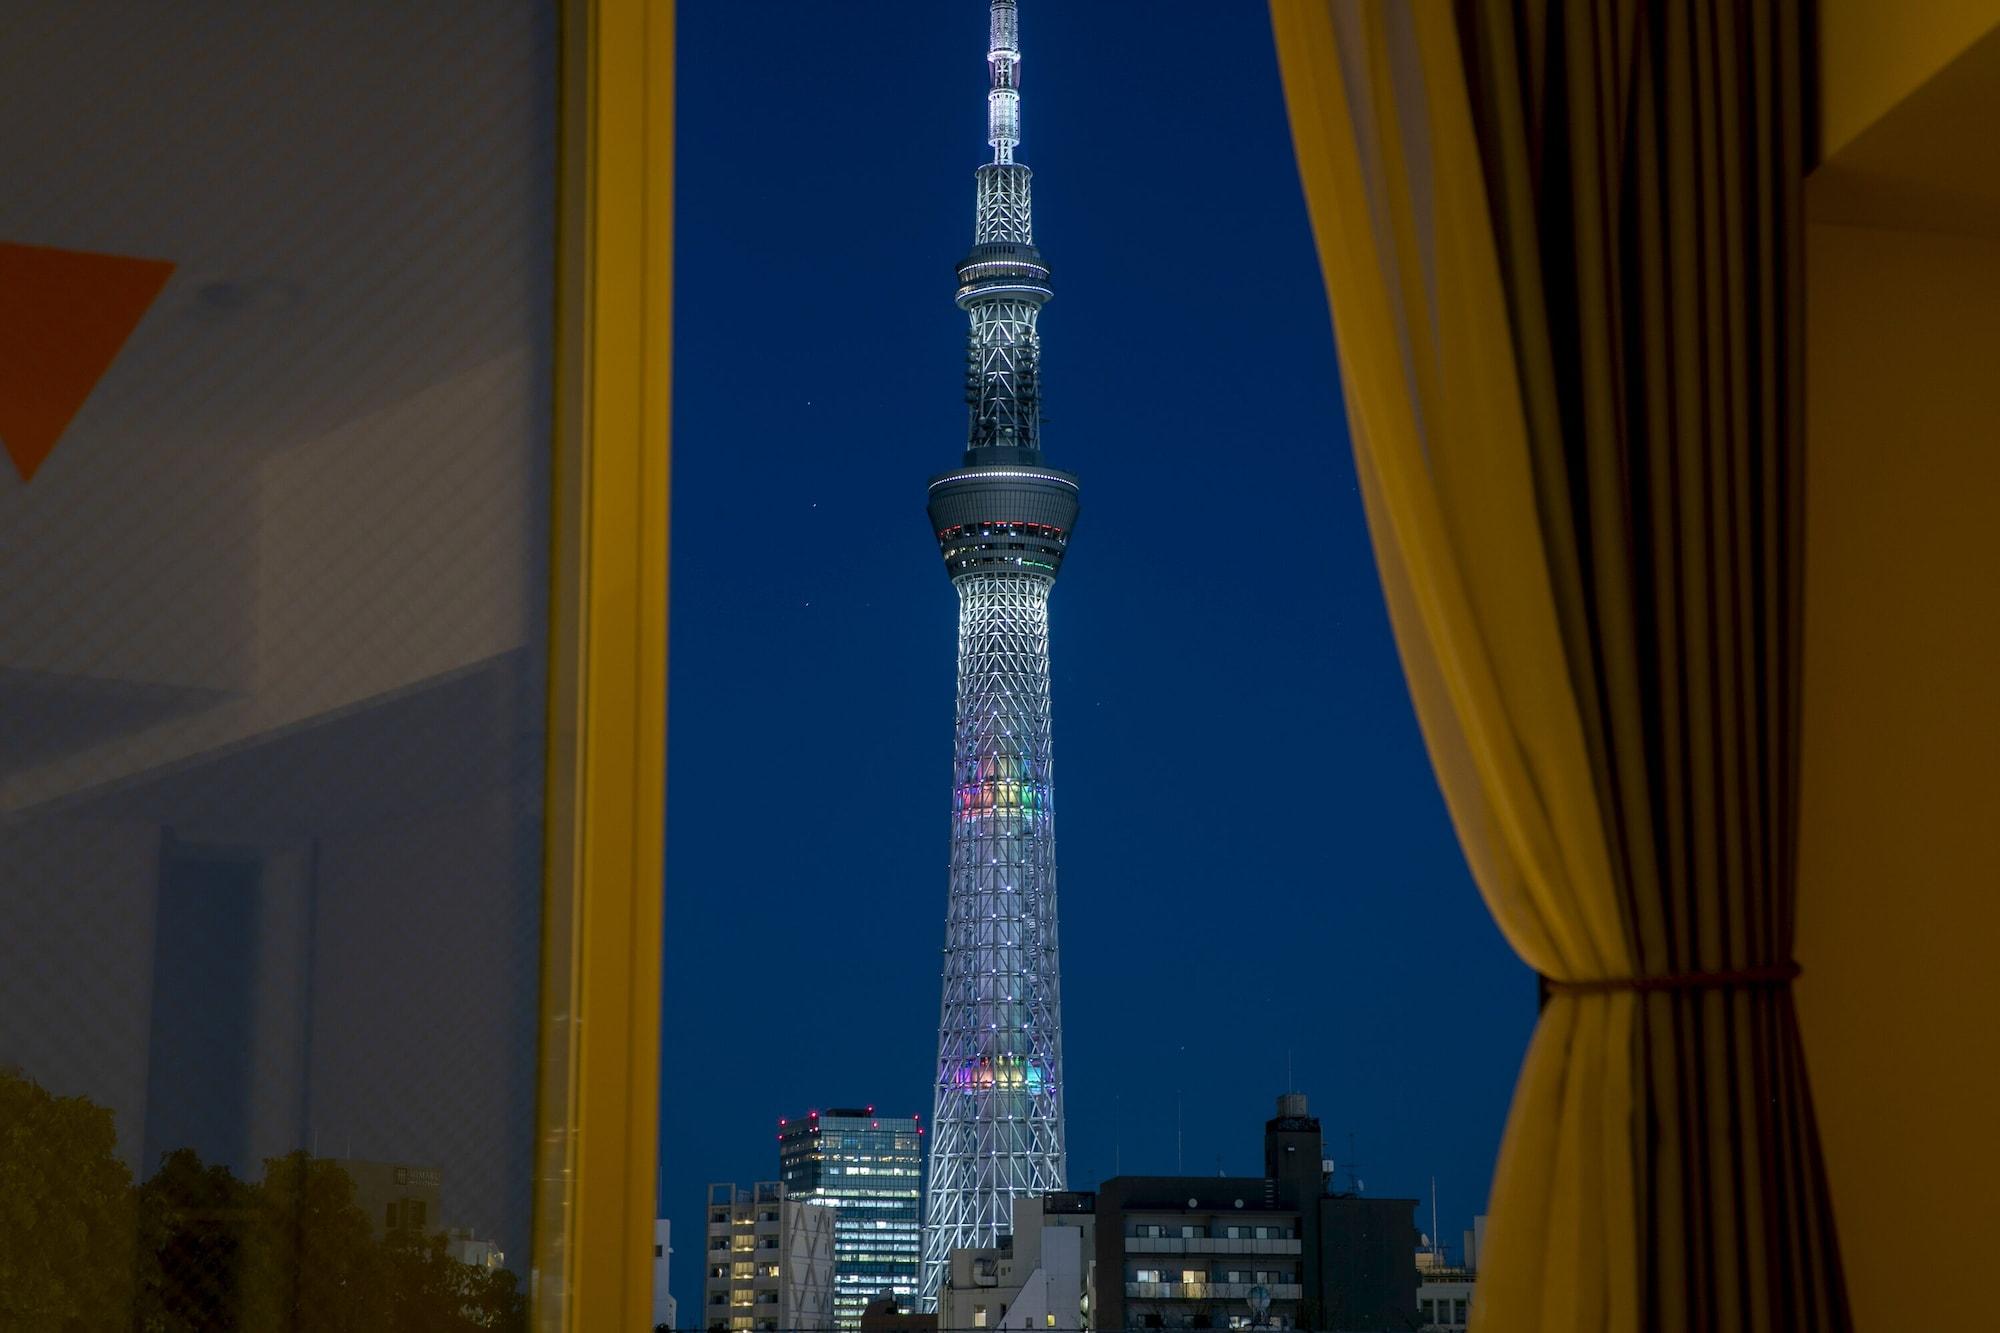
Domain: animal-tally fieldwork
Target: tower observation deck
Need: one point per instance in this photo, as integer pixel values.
(1003, 520)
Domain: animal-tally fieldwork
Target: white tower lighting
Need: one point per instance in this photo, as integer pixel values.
(1003, 521)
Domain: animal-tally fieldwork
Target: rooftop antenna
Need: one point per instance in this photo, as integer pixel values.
(1180, 1065)
(1437, 1237)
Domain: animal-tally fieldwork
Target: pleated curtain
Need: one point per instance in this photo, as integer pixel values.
(1561, 244)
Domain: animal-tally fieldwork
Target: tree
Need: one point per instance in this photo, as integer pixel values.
(195, 1250)
(193, 1223)
(312, 1263)
(294, 1254)
(431, 1292)
(65, 1213)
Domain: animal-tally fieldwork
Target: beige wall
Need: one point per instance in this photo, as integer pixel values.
(297, 620)
(1900, 897)
(1874, 53)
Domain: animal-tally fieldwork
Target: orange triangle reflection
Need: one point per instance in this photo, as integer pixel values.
(64, 316)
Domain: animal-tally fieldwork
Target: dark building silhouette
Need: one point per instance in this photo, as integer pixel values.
(1282, 1249)
(885, 1314)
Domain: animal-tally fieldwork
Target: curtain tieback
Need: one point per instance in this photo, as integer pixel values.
(1769, 976)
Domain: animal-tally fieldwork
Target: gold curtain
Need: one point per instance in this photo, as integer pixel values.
(1562, 247)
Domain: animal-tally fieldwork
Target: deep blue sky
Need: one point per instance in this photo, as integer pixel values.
(1256, 865)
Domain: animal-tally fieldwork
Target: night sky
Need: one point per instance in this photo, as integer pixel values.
(1256, 865)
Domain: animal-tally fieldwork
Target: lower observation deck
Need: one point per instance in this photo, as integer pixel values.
(1002, 517)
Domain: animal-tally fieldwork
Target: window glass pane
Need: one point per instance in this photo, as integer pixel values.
(273, 636)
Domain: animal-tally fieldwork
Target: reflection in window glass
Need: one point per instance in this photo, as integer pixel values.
(272, 645)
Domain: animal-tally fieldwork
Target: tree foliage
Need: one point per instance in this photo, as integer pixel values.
(193, 1249)
(193, 1223)
(65, 1212)
(430, 1290)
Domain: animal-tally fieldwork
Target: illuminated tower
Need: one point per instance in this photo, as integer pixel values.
(1003, 521)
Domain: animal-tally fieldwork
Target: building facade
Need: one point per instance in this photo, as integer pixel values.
(1281, 1250)
(1196, 1251)
(1444, 1300)
(473, 1250)
(1003, 520)
(867, 1171)
(1037, 1277)
(1445, 1289)
(396, 1196)
(768, 1263)
(666, 1312)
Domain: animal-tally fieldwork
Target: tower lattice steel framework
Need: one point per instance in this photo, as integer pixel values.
(1003, 522)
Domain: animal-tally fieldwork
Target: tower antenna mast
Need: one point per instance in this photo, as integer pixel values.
(1003, 96)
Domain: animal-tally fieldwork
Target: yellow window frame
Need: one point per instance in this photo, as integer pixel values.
(598, 1119)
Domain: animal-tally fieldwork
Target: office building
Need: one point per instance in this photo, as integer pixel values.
(867, 1171)
(768, 1264)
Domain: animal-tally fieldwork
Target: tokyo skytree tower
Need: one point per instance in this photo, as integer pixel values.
(1003, 521)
